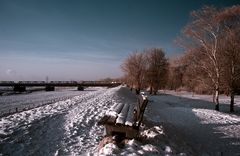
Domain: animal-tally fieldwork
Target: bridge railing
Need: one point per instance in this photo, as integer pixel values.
(63, 82)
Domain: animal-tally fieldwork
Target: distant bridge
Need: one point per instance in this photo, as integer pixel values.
(20, 86)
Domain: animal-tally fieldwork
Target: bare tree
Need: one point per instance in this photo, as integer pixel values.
(156, 73)
(229, 19)
(195, 79)
(202, 33)
(134, 67)
(175, 73)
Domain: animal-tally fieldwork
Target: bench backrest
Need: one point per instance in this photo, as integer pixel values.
(142, 103)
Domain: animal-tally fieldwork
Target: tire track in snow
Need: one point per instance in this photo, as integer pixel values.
(82, 132)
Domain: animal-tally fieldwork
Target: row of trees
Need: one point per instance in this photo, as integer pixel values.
(212, 43)
(146, 69)
(211, 62)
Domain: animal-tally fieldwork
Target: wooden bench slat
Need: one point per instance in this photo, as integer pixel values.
(119, 108)
(123, 114)
(130, 117)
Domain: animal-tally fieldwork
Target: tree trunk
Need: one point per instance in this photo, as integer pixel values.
(232, 87)
(232, 102)
(151, 90)
(213, 98)
(138, 91)
(217, 90)
(217, 99)
(155, 92)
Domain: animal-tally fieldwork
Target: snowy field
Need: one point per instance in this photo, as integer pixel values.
(66, 127)
(28, 100)
(192, 124)
(175, 124)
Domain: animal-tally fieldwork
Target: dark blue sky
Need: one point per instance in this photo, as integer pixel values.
(86, 40)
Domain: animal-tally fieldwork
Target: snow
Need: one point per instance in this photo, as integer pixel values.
(130, 119)
(153, 132)
(115, 109)
(66, 127)
(21, 101)
(231, 128)
(132, 147)
(109, 149)
(168, 149)
(175, 124)
(123, 114)
(193, 122)
(79, 134)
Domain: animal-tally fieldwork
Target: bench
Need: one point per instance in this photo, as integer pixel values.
(124, 119)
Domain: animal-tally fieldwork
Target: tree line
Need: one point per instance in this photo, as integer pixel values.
(146, 69)
(210, 63)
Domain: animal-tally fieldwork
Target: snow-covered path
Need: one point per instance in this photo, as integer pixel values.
(66, 127)
(196, 124)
